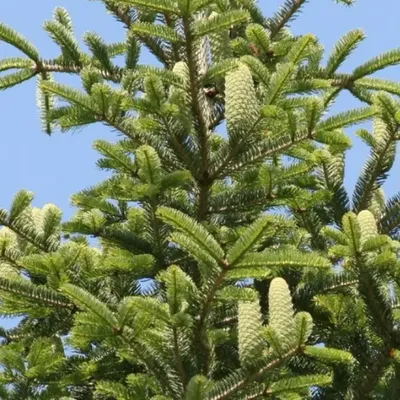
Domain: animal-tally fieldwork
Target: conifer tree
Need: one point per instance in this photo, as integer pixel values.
(228, 266)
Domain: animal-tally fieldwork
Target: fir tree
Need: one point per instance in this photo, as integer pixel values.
(229, 266)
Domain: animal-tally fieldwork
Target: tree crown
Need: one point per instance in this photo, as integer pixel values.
(228, 266)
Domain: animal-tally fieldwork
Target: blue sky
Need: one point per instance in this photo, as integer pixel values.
(58, 166)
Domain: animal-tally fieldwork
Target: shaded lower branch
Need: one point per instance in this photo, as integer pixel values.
(370, 379)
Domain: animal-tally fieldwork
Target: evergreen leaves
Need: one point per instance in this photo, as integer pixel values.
(12, 37)
(15, 63)
(163, 6)
(285, 14)
(249, 238)
(294, 384)
(343, 48)
(90, 304)
(10, 80)
(284, 257)
(391, 57)
(330, 355)
(65, 39)
(33, 293)
(259, 36)
(226, 265)
(375, 169)
(193, 230)
(156, 31)
(345, 119)
(220, 22)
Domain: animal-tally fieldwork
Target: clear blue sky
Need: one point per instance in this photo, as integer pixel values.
(58, 166)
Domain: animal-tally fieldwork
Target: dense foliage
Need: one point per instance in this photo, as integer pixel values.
(230, 261)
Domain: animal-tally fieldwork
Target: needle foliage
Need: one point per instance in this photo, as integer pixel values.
(231, 265)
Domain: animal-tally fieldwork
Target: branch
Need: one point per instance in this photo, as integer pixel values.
(250, 378)
(373, 300)
(155, 224)
(26, 236)
(258, 395)
(123, 16)
(283, 16)
(35, 293)
(373, 375)
(48, 66)
(211, 294)
(202, 129)
(204, 196)
(175, 47)
(11, 261)
(234, 151)
(362, 202)
(206, 305)
(276, 148)
(178, 359)
(179, 149)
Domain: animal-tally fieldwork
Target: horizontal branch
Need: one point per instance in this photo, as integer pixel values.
(46, 66)
(242, 384)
